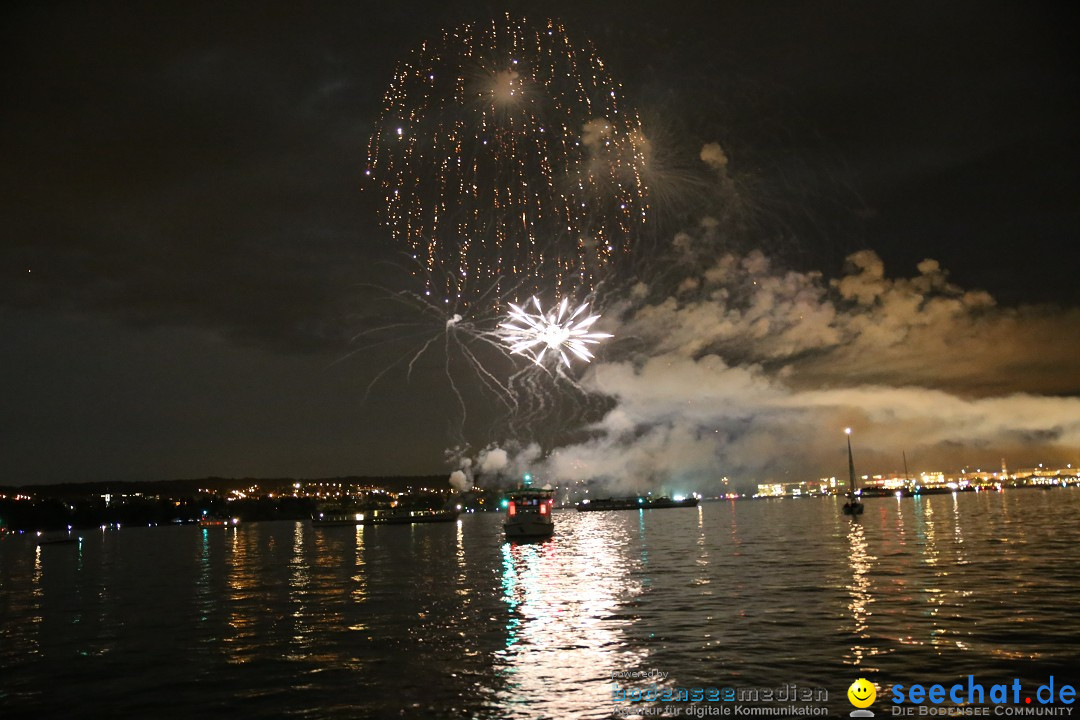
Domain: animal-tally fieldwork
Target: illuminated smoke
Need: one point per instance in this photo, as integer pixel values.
(751, 372)
(714, 156)
(460, 481)
(493, 460)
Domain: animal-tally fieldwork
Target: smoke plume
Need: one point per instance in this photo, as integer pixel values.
(746, 371)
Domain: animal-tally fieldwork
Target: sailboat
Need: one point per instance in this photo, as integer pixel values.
(853, 506)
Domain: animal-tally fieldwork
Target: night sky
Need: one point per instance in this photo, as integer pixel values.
(186, 240)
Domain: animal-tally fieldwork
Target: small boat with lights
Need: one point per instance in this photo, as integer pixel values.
(208, 521)
(56, 537)
(638, 502)
(528, 513)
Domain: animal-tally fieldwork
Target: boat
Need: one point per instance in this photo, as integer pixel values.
(329, 518)
(214, 521)
(853, 506)
(382, 516)
(528, 514)
(55, 537)
(637, 502)
(409, 517)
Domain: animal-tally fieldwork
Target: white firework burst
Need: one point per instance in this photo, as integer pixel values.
(534, 333)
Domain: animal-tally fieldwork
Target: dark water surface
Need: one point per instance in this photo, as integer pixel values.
(447, 620)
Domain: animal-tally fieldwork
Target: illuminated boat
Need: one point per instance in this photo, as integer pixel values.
(214, 521)
(383, 516)
(409, 517)
(528, 514)
(853, 506)
(57, 537)
(637, 502)
(328, 518)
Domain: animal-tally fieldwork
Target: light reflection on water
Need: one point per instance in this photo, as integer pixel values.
(448, 620)
(564, 632)
(860, 597)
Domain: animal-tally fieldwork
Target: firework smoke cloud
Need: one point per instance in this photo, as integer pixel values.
(747, 359)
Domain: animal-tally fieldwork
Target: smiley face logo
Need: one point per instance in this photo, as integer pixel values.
(862, 693)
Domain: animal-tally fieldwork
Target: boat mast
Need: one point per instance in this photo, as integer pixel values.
(850, 465)
(906, 479)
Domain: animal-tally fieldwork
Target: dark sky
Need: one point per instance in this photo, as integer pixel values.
(185, 237)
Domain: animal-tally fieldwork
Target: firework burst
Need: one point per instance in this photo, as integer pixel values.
(534, 332)
(506, 163)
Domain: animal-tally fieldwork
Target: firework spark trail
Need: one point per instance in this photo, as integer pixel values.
(454, 387)
(503, 155)
(429, 332)
(456, 331)
(419, 353)
(550, 402)
(531, 395)
(500, 390)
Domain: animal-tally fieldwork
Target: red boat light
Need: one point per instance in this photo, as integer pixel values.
(511, 509)
(543, 508)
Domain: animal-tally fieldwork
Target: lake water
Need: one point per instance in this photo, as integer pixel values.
(447, 620)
